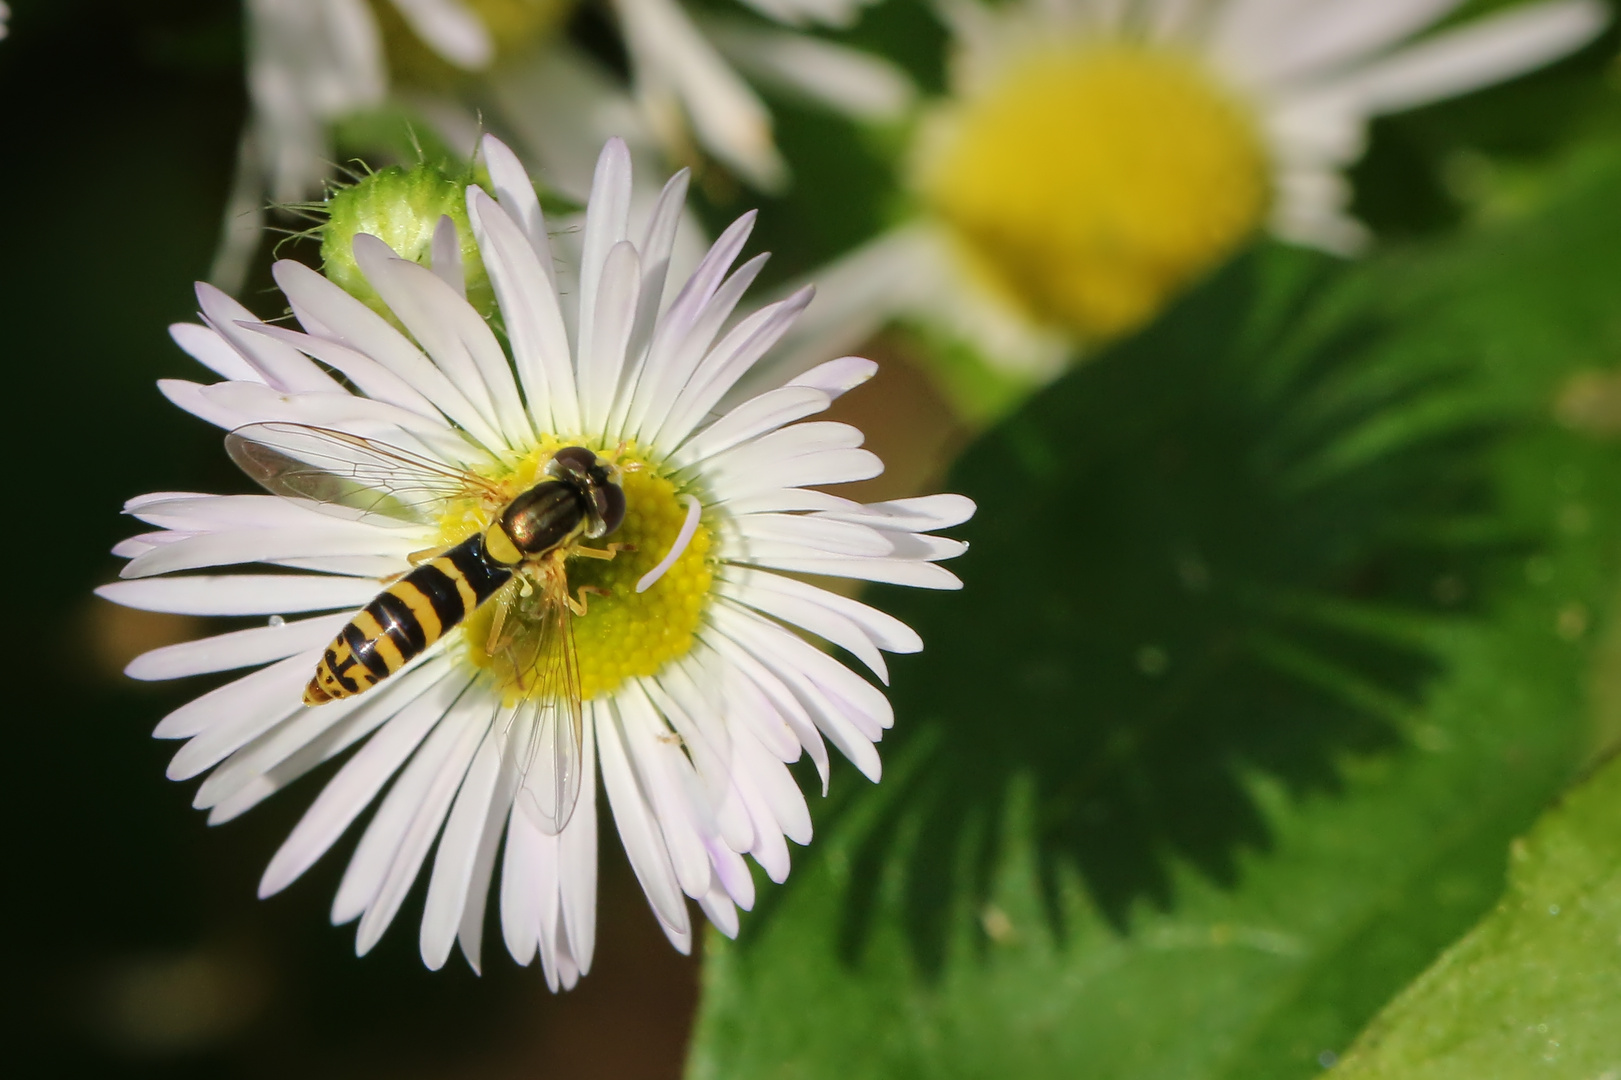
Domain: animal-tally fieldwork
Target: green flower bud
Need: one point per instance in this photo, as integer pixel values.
(402, 207)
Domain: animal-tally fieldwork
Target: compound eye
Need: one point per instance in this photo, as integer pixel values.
(610, 506)
(572, 461)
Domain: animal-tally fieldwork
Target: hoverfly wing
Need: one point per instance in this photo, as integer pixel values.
(350, 476)
(549, 741)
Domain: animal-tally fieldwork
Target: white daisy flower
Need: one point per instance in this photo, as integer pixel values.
(698, 688)
(1096, 156)
(5, 15)
(314, 62)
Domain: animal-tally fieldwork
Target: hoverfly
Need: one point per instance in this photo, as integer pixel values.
(517, 559)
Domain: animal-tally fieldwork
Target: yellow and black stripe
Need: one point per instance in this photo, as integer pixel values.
(404, 619)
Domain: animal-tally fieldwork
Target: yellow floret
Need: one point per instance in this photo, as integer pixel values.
(1090, 183)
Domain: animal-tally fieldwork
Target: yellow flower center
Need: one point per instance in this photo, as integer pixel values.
(513, 25)
(1091, 183)
(623, 633)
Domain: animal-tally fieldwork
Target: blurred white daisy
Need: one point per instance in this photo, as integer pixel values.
(5, 14)
(310, 63)
(314, 62)
(1096, 156)
(699, 689)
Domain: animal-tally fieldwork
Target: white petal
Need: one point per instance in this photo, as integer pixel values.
(661, 377)
(470, 933)
(748, 708)
(815, 618)
(577, 860)
(261, 545)
(451, 30)
(607, 222)
(718, 906)
(526, 884)
(240, 648)
(769, 850)
(236, 713)
(516, 194)
(305, 740)
(750, 420)
(477, 806)
(858, 699)
(445, 256)
(279, 366)
(728, 362)
(836, 377)
(1322, 36)
(836, 717)
(727, 117)
(771, 780)
(692, 345)
(785, 706)
(246, 402)
(534, 321)
(732, 875)
(452, 333)
(923, 513)
(189, 396)
(839, 13)
(373, 379)
(885, 631)
(273, 689)
(657, 249)
(808, 533)
(772, 499)
(433, 803)
(376, 567)
(836, 466)
(850, 81)
(211, 350)
(784, 444)
(448, 711)
(665, 777)
(242, 594)
(638, 828)
(1479, 53)
(187, 511)
(327, 311)
(602, 352)
(919, 575)
(696, 723)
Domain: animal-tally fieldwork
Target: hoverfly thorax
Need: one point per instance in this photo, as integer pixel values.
(594, 480)
(582, 499)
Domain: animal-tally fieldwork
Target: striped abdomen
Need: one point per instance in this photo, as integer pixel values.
(405, 619)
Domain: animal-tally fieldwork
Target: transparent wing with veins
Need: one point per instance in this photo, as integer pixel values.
(351, 476)
(546, 736)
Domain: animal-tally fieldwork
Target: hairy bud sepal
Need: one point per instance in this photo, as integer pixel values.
(402, 207)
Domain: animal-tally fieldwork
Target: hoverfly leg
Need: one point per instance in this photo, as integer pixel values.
(612, 458)
(579, 606)
(493, 643)
(604, 553)
(416, 559)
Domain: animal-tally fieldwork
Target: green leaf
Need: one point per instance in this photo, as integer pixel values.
(1275, 631)
(1535, 989)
